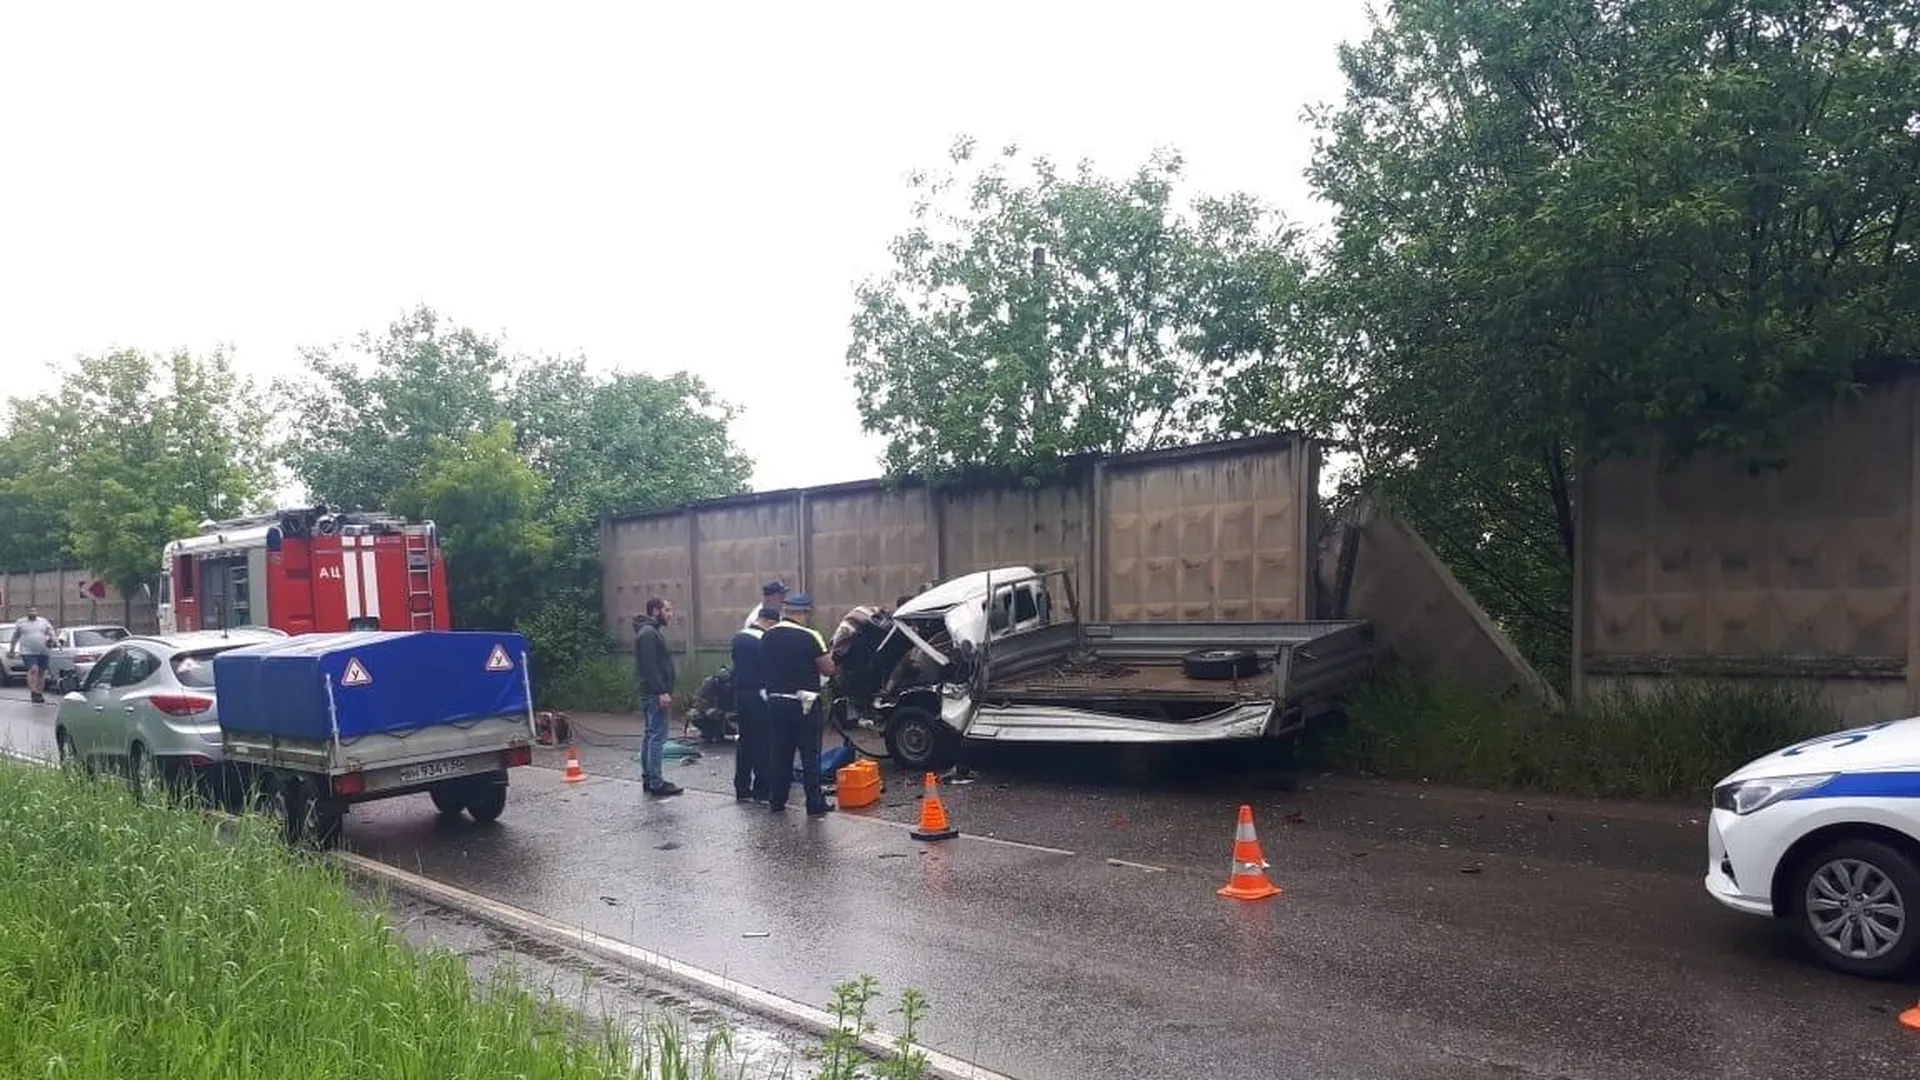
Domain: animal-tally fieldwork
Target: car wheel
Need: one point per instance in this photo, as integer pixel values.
(1854, 903)
(486, 801)
(143, 773)
(1220, 664)
(69, 754)
(918, 740)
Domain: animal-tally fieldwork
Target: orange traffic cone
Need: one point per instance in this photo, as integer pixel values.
(575, 773)
(1911, 1018)
(1249, 880)
(933, 816)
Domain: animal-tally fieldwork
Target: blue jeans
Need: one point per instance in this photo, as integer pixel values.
(653, 744)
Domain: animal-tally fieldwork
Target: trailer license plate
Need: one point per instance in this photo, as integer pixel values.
(432, 770)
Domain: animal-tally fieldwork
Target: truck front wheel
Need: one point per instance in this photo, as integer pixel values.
(918, 740)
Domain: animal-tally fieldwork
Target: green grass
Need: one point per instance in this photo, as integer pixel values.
(137, 942)
(1673, 741)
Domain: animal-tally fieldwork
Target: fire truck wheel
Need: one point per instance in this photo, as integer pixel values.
(449, 799)
(487, 800)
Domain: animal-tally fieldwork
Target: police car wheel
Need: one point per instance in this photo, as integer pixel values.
(1854, 903)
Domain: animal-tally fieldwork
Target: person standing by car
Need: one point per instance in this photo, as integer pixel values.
(33, 642)
(653, 669)
(793, 658)
(751, 753)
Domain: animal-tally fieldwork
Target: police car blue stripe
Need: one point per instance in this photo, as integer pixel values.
(1867, 785)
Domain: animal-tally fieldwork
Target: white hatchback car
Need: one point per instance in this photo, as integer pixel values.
(1827, 832)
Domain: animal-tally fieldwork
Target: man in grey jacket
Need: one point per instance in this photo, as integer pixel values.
(653, 669)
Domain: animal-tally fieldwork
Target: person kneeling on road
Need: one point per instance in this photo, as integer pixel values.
(751, 753)
(793, 658)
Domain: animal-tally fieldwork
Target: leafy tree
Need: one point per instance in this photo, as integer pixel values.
(135, 451)
(514, 458)
(355, 437)
(33, 523)
(1063, 314)
(486, 500)
(617, 442)
(1564, 227)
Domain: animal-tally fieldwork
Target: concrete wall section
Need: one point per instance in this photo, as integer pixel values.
(742, 545)
(73, 598)
(1804, 572)
(1211, 539)
(981, 528)
(865, 547)
(1201, 533)
(643, 557)
(1420, 611)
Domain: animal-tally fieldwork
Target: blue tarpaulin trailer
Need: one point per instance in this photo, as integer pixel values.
(319, 722)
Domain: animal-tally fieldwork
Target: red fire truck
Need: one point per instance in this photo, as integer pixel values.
(305, 571)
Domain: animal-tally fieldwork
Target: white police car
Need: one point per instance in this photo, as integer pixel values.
(1827, 832)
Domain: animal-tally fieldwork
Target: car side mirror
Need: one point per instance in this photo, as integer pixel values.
(998, 619)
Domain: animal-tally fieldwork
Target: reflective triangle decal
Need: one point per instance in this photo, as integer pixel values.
(498, 659)
(356, 674)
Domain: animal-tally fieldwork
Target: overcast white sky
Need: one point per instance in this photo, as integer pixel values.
(655, 187)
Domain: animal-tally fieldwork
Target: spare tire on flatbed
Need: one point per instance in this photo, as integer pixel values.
(1220, 664)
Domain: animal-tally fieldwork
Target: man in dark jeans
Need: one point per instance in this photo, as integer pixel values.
(653, 669)
(750, 754)
(792, 660)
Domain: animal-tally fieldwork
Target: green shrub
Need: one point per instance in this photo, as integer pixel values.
(567, 641)
(599, 683)
(1673, 740)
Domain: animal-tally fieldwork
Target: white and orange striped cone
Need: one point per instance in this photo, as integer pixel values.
(574, 773)
(1249, 877)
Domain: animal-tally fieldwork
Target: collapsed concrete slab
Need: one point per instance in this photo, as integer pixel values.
(1374, 566)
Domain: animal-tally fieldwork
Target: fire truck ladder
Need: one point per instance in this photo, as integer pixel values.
(419, 581)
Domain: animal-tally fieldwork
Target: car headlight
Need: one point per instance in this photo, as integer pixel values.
(1746, 796)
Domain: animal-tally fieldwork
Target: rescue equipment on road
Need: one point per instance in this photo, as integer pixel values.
(857, 785)
(575, 773)
(933, 816)
(1249, 878)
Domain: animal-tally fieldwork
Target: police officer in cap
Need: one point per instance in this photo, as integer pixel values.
(793, 658)
(751, 753)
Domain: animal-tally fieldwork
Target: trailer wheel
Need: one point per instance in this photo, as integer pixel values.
(918, 740)
(487, 800)
(449, 798)
(1220, 664)
(304, 820)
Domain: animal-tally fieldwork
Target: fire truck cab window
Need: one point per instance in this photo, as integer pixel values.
(364, 622)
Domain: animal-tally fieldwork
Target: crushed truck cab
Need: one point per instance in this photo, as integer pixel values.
(1002, 656)
(317, 723)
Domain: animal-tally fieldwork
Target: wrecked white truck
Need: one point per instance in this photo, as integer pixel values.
(993, 657)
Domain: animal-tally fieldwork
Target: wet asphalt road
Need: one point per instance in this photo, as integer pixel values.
(1423, 933)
